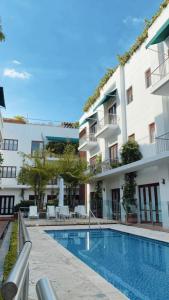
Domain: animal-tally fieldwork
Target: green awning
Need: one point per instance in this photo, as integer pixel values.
(91, 118)
(62, 139)
(106, 98)
(161, 35)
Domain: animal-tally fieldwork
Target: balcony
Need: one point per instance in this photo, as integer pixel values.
(160, 79)
(162, 143)
(104, 166)
(107, 126)
(87, 142)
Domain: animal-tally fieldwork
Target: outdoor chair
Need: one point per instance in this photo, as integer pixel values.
(81, 211)
(33, 212)
(51, 212)
(64, 212)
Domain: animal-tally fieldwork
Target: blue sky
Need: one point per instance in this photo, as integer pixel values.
(56, 51)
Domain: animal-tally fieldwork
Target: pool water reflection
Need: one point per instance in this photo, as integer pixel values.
(138, 267)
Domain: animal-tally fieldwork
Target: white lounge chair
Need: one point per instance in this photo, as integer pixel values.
(33, 212)
(64, 212)
(81, 211)
(51, 212)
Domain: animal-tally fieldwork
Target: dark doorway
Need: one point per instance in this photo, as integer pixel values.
(116, 211)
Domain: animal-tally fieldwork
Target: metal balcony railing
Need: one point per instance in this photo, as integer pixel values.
(160, 72)
(87, 138)
(104, 166)
(17, 284)
(109, 119)
(162, 143)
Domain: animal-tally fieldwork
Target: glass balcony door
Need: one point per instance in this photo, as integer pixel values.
(150, 203)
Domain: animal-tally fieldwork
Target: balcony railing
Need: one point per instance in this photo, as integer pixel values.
(160, 72)
(109, 119)
(104, 166)
(162, 143)
(87, 139)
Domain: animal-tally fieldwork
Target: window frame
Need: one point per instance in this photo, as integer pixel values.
(114, 146)
(129, 95)
(40, 142)
(152, 125)
(148, 81)
(7, 172)
(8, 147)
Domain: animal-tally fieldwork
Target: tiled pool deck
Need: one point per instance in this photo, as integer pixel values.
(71, 278)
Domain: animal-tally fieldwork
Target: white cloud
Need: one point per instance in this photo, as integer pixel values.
(16, 62)
(12, 73)
(133, 20)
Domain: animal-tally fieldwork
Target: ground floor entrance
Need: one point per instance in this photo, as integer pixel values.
(7, 205)
(116, 212)
(150, 203)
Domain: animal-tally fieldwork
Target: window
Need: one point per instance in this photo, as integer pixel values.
(93, 128)
(129, 95)
(131, 137)
(114, 153)
(8, 172)
(112, 114)
(148, 78)
(9, 144)
(152, 132)
(37, 146)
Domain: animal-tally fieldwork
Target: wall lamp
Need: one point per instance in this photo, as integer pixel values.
(163, 181)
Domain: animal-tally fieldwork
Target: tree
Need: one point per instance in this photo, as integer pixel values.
(36, 172)
(2, 36)
(1, 158)
(72, 169)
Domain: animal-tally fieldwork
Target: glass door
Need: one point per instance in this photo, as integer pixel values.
(116, 211)
(150, 203)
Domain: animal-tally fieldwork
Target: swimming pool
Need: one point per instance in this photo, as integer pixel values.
(138, 267)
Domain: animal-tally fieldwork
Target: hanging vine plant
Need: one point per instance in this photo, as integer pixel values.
(123, 59)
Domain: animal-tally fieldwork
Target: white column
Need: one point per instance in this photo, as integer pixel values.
(61, 191)
(123, 105)
(164, 194)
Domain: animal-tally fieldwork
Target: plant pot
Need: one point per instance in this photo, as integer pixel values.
(132, 218)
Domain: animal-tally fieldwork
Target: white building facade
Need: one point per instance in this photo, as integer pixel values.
(133, 104)
(25, 137)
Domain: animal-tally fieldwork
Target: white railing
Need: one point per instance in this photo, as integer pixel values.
(87, 138)
(109, 119)
(162, 143)
(160, 72)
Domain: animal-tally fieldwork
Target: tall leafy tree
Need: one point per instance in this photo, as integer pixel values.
(73, 170)
(36, 173)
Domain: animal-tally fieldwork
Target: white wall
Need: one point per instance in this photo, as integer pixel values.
(25, 134)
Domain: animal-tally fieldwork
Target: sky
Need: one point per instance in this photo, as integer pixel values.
(56, 51)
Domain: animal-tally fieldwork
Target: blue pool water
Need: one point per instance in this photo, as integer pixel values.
(138, 267)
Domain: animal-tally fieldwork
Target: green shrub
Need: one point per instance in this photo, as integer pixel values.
(25, 203)
(11, 256)
(130, 152)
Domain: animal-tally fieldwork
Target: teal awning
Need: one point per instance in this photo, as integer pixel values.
(62, 139)
(106, 98)
(161, 35)
(91, 118)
